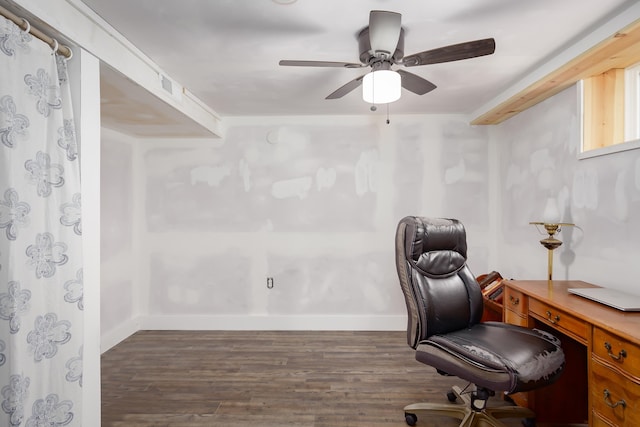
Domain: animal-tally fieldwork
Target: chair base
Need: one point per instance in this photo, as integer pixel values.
(488, 417)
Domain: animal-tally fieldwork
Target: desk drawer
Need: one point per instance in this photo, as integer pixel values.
(515, 301)
(608, 390)
(514, 318)
(559, 319)
(617, 351)
(598, 421)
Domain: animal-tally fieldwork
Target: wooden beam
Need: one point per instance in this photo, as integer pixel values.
(620, 50)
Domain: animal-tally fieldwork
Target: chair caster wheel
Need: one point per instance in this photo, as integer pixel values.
(410, 419)
(451, 396)
(529, 422)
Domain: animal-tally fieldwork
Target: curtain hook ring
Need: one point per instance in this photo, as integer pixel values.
(70, 52)
(27, 25)
(56, 46)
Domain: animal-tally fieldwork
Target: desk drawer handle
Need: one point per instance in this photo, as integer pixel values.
(514, 301)
(554, 319)
(620, 402)
(622, 353)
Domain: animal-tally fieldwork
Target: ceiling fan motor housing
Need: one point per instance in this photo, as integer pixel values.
(367, 56)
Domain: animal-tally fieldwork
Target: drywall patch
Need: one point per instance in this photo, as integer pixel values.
(323, 284)
(210, 175)
(245, 174)
(463, 168)
(408, 170)
(325, 178)
(366, 172)
(540, 160)
(585, 189)
(621, 206)
(179, 296)
(564, 202)
(546, 178)
(287, 135)
(267, 227)
(290, 188)
(515, 176)
(455, 173)
(199, 282)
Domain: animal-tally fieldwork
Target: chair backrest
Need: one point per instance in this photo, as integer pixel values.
(440, 292)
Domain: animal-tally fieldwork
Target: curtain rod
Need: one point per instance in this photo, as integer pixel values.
(24, 25)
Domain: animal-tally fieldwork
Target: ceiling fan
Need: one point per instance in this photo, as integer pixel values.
(381, 45)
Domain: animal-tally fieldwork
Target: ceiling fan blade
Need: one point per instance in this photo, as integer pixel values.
(454, 52)
(384, 31)
(345, 89)
(415, 84)
(295, 63)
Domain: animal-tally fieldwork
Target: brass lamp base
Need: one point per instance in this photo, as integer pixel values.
(551, 242)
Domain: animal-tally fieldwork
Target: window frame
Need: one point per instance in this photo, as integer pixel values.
(632, 102)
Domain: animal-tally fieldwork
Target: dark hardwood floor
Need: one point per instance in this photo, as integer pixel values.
(266, 378)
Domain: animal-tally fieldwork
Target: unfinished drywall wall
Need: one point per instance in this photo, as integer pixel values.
(118, 260)
(310, 202)
(601, 195)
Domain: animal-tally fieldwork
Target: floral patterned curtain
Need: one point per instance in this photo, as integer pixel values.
(41, 308)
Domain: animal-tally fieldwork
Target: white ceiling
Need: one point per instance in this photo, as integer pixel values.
(226, 52)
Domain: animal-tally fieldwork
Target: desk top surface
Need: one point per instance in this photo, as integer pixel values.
(554, 293)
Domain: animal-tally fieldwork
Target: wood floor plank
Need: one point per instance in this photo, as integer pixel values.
(265, 379)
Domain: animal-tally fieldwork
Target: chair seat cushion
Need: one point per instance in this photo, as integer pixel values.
(496, 355)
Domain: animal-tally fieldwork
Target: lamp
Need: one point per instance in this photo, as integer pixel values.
(553, 226)
(381, 87)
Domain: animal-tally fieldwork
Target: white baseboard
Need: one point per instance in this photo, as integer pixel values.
(252, 323)
(257, 322)
(120, 333)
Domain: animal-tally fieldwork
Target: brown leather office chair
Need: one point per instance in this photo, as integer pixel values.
(444, 305)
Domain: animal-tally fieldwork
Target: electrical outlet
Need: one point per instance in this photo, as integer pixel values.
(270, 282)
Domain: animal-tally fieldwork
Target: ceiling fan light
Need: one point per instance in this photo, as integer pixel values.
(381, 87)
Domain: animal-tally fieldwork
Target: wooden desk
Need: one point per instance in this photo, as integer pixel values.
(602, 350)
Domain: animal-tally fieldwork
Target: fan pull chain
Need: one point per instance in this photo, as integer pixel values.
(388, 121)
(373, 92)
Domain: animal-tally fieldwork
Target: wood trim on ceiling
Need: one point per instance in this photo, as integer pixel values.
(620, 50)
